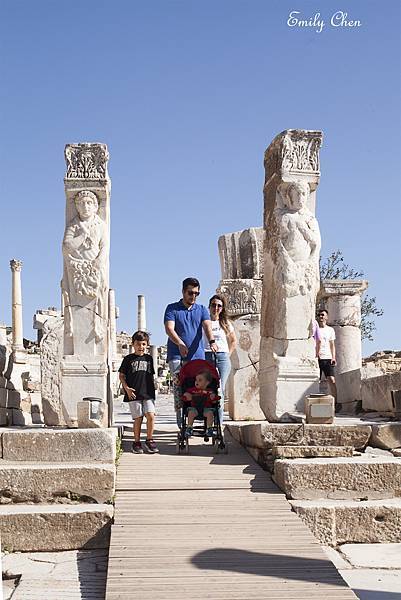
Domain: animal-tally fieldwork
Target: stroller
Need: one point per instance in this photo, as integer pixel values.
(187, 376)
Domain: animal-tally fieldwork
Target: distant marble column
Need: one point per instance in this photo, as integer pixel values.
(342, 300)
(19, 354)
(288, 368)
(141, 313)
(113, 330)
(154, 354)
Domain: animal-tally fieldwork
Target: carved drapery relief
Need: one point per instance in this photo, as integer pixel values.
(243, 296)
(85, 251)
(295, 241)
(86, 161)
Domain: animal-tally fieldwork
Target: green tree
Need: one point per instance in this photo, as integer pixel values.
(334, 267)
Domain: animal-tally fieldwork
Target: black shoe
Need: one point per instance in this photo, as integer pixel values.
(151, 446)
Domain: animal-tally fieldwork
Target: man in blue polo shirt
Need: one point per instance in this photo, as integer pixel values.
(184, 322)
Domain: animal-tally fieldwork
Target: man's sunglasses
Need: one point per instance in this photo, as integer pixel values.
(214, 305)
(192, 293)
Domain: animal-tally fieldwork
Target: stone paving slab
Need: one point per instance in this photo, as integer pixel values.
(31, 528)
(336, 522)
(62, 445)
(367, 477)
(373, 556)
(40, 482)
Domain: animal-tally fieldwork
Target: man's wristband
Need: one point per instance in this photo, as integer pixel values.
(212, 341)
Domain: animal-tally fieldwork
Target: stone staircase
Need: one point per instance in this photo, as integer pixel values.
(56, 488)
(345, 490)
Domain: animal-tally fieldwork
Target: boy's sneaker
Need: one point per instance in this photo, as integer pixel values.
(151, 446)
(137, 448)
(188, 432)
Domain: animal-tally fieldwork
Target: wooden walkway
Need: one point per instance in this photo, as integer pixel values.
(210, 526)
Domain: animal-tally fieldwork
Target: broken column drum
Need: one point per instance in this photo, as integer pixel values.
(85, 281)
(288, 368)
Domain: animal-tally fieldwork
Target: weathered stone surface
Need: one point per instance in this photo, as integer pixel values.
(288, 371)
(92, 414)
(51, 352)
(376, 392)
(27, 528)
(339, 478)
(311, 451)
(267, 435)
(46, 445)
(386, 436)
(243, 296)
(85, 282)
(241, 254)
(31, 482)
(243, 382)
(373, 556)
(320, 409)
(336, 522)
(396, 452)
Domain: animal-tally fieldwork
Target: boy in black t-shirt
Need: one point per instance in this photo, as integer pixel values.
(136, 376)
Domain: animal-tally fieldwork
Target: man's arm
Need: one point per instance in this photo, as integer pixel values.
(333, 352)
(169, 326)
(207, 328)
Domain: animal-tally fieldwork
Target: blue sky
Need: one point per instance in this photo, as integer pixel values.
(188, 94)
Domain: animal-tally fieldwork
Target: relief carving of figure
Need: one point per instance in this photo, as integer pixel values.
(298, 240)
(85, 251)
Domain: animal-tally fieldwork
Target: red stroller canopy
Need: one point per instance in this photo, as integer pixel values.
(194, 367)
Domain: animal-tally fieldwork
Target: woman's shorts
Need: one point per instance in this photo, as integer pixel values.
(139, 408)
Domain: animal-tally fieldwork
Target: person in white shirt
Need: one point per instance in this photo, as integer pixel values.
(327, 351)
(225, 340)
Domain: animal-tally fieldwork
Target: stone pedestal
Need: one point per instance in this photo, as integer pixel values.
(85, 282)
(241, 261)
(342, 300)
(288, 368)
(141, 313)
(18, 351)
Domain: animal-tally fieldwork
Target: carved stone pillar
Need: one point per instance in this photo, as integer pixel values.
(141, 313)
(288, 369)
(85, 283)
(19, 354)
(113, 330)
(342, 300)
(241, 285)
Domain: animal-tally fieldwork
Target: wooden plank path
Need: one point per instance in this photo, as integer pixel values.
(205, 526)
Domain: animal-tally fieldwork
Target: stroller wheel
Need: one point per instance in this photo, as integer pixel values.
(186, 449)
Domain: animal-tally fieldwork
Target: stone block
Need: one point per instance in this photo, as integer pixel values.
(376, 392)
(311, 451)
(386, 436)
(354, 478)
(33, 482)
(28, 528)
(373, 556)
(68, 445)
(3, 416)
(319, 409)
(19, 417)
(92, 414)
(336, 522)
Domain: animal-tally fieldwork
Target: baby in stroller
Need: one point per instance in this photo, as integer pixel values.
(199, 382)
(202, 401)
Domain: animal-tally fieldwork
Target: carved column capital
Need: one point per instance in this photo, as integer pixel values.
(242, 296)
(292, 153)
(15, 264)
(342, 287)
(86, 161)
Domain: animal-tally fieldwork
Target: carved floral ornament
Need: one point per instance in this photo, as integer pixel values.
(242, 298)
(294, 151)
(86, 161)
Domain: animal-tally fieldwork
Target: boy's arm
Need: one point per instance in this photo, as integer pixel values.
(129, 391)
(333, 352)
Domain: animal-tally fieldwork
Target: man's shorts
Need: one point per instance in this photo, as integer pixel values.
(326, 367)
(139, 408)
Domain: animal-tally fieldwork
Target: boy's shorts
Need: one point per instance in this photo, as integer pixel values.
(205, 410)
(326, 367)
(139, 408)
